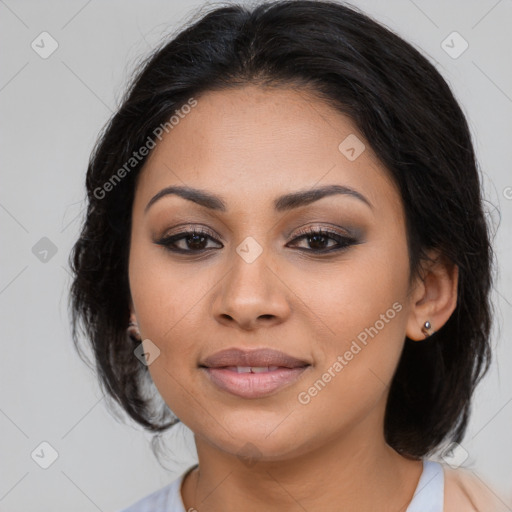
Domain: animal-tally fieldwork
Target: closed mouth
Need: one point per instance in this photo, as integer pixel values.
(252, 361)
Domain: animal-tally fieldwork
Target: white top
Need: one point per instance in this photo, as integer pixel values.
(428, 496)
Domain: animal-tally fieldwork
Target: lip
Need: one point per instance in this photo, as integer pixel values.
(221, 369)
(255, 357)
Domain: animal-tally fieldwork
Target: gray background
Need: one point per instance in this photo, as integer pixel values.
(52, 110)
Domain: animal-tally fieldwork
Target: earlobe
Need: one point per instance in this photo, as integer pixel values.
(434, 298)
(427, 329)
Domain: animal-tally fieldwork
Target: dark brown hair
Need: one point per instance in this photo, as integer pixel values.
(408, 114)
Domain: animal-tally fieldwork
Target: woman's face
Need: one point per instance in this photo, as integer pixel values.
(252, 280)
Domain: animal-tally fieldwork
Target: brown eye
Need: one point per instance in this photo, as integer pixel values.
(191, 241)
(318, 240)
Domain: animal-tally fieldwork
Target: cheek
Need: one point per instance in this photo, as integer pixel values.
(350, 295)
(167, 298)
(354, 375)
(164, 293)
(362, 307)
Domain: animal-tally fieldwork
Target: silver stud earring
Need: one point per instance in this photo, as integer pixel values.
(426, 329)
(133, 332)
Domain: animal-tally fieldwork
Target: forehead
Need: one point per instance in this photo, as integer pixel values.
(252, 144)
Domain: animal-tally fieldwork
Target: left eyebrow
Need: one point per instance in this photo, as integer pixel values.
(305, 197)
(282, 203)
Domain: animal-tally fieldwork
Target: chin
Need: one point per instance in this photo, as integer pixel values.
(253, 438)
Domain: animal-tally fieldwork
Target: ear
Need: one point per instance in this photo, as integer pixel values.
(434, 295)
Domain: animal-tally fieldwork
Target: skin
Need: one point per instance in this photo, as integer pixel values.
(250, 145)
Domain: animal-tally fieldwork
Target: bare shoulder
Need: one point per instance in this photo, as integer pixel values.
(464, 491)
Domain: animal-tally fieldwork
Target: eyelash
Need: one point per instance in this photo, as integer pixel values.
(344, 242)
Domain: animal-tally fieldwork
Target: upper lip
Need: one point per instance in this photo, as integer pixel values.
(257, 358)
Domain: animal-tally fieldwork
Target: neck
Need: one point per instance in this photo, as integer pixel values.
(357, 470)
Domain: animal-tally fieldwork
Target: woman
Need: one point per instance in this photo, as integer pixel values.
(285, 237)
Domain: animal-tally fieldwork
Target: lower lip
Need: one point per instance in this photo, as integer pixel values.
(253, 385)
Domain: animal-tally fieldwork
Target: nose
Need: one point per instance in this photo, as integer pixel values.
(251, 295)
